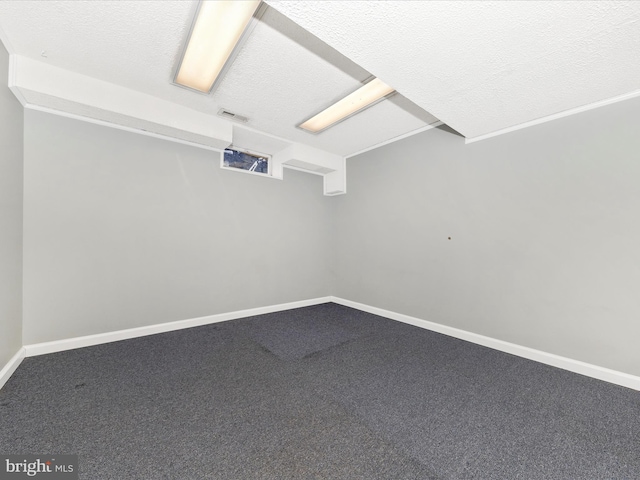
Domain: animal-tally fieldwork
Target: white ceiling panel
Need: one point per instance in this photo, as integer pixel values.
(129, 43)
(484, 66)
(281, 75)
(479, 66)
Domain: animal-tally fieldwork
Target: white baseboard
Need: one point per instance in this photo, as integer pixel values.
(576, 366)
(97, 339)
(11, 366)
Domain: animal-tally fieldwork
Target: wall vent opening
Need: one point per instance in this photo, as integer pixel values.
(232, 116)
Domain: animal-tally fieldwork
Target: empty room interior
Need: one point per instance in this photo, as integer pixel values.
(320, 239)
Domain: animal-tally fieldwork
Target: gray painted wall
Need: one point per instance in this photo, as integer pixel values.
(544, 226)
(11, 141)
(123, 230)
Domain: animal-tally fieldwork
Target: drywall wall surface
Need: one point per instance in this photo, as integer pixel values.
(11, 140)
(531, 237)
(123, 230)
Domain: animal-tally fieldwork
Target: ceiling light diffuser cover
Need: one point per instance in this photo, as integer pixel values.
(353, 103)
(218, 28)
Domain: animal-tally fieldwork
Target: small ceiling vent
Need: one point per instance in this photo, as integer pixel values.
(232, 116)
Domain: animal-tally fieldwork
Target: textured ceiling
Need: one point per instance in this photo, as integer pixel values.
(281, 76)
(479, 66)
(485, 66)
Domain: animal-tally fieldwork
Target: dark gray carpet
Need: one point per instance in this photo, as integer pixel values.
(294, 334)
(322, 392)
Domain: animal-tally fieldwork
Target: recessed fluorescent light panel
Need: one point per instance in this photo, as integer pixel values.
(217, 30)
(364, 97)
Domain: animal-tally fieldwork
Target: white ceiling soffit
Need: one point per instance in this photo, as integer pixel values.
(281, 76)
(482, 67)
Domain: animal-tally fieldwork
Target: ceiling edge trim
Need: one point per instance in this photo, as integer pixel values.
(94, 95)
(104, 123)
(334, 182)
(395, 139)
(555, 116)
(260, 132)
(5, 41)
(299, 169)
(11, 81)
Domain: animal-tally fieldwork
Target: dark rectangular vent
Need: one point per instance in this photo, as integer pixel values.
(232, 116)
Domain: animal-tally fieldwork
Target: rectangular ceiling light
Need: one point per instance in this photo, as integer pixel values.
(353, 103)
(218, 27)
